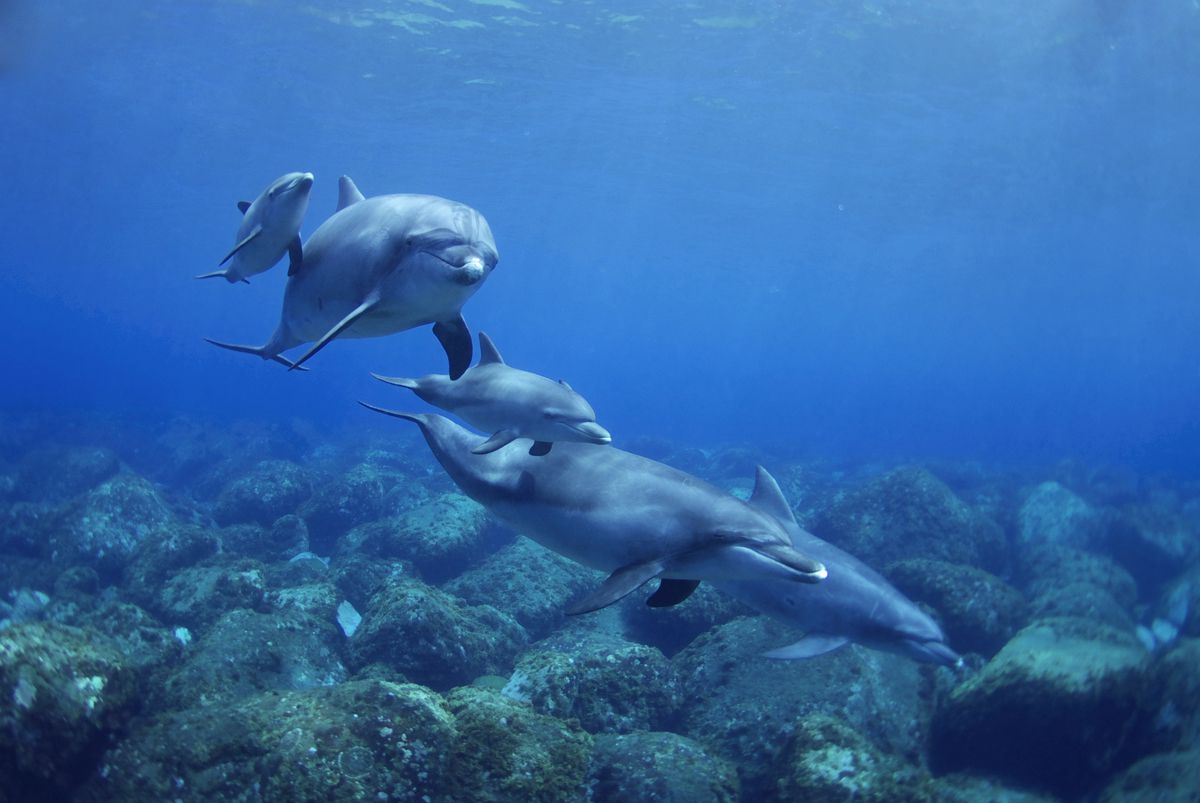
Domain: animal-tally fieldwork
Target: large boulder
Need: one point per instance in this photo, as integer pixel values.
(272, 489)
(55, 474)
(1053, 515)
(671, 629)
(197, 596)
(659, 766)
(364, 493)
(1153, 542)
(1057, 708)
(1160, 778)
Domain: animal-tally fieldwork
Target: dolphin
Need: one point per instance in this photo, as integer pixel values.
(510, 403)
(382, 265)
(619, 513)
(854, 604)
(270, 228)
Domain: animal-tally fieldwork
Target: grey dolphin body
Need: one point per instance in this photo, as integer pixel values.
(382, 265)
(855, 603)
(269, 229)
(510, 403)
(620, 513)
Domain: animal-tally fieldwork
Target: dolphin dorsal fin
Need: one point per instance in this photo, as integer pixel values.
(348, 194)
(488, 353)
(768, 498)
(243, 206)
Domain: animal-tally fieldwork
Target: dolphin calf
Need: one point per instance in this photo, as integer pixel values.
(855, 603)
(382, 265)
(510, 403)
(620, 513)
(270, 228)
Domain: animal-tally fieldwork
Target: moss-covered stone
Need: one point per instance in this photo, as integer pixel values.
(286, 537)
(362, 740)
(607, 683)
(1160, 778)
(57, 473)
(1081, 600)
(658, 766)
(979, 611)
(1056, 708)
(364, 493)
(671, 629)
(528, 582)
(506, 752)
(1052, 514)
(432, 637)
(63, 691)
(272, 489)
(197, 596)
(1152, 542)
(1044, 568)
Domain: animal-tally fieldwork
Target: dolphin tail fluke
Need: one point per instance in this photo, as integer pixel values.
(398, 381)
(455, 338)
(257, 351)
(339, 327)
(620, 583)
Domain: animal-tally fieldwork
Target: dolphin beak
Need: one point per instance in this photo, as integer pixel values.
(935, 652)
(593, 433)
(305, 182)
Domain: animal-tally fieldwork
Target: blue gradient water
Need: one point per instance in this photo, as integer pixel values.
(961, 229)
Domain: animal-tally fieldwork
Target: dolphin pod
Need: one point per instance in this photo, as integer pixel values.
(383, 265)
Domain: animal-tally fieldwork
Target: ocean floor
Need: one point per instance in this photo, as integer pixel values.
(200, 611)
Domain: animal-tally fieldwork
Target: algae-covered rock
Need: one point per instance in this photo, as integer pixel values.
(1153, 542)
(362, 740)
(55, 474)
(156, 559)
(364, 493)
(1052, 514)
(360, 577)
(144, 644)
(1056, 708)
(63, 691)
(1081, 600)
(432, 637)
(740, 704)
(1160, 778)
(828, 761)
(979, 611)
(528, 582)
(909, 513)
(25, 529)
(272, 489)
(659, 766)
(440, 537)
(505, 751)
(1172, 719)
(607, 683)
(671, 629)
(1048, 567)
(197, 596)
(107, 525)
(286, 537)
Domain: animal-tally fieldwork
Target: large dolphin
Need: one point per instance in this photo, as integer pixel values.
(854, 604)
(270, 228)
(382, 265)
(509, 403)
(620, 513)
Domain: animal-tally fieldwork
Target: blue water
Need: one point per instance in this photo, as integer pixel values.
(961, 229)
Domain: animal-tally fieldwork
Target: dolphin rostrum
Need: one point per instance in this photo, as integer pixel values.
(854, 604)
(270, 228)
(620, 513)
(382, 265)
(510, 403)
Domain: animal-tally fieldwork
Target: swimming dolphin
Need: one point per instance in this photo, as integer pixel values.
(382, 265)
(270, 228)
(510, 403)
(620, 513)
(854, 604)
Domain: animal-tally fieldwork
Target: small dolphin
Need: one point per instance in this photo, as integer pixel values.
(620, 513)
(854, 604)
(382, 265)
(510, 403)
(270, 227)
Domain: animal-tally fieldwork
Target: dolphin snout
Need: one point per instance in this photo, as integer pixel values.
(593, 432)
(471, 271)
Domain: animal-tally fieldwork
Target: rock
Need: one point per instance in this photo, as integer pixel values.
(350, 742)
(528, 582)
(63, 692)
(107, 525)
(157, 559)
(360, 577)
(909, 513)
(1053, 515)
(285, 538)
(741, 704)
(1172, 719)
(659, 766)
(1056, 707)
(1162, 778)
(506, 752)
(25, 529)
(827, 760)
(1182, 600)
(1046, 568)
(273, 489)
(318, 599)
(1082, 600)
(671, 629)
(979, 611)
(440, 537)
(433, 638)
(1152, 543)
(55, 474)
(196, 597)
(364, 493)
(246, 652)
(144, 644)
(608, 684)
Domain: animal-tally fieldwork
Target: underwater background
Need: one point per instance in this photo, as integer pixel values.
(934, 264)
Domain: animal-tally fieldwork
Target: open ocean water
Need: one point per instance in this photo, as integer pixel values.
(934, 265)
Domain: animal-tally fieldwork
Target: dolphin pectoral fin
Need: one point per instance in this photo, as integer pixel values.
(338, 328)
(257, 230)
(398, 381)
(672, 592)
(456, 340)
(502, 438)
(768, 497)
(295, 255)
(214, 275)
(810, 646)
(257, 351)
(541, 448)
(347, 193)
(243, 206)
(623, 581)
